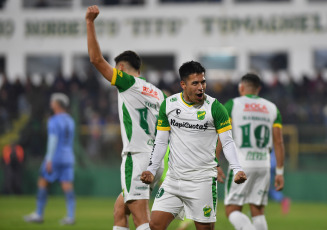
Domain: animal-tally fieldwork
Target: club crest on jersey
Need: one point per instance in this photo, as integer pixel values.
(201, 115)
(160, 193)
(207, 211)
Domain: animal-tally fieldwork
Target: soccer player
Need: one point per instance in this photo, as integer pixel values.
(59, 160)
(191, 121)
(138, 105)
(257, 126)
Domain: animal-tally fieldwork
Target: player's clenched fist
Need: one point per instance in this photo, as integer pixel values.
(240, 177)
(147, 177)
(91, 13)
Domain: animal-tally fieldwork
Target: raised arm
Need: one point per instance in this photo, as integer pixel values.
(95, 54)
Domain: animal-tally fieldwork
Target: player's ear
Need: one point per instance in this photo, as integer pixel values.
(240, 88)
(183, 84)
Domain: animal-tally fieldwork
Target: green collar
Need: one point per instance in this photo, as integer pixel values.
(252, 96)
(188, 103)
(142, 78)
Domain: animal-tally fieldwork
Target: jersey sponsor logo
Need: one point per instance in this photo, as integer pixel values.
(160, 193)
(207, 211)
(173, 99)
(178, 111)
(150, 92)
(225, 123)
(120, 73)
(255, 107)
(201, 115)
(188, 125)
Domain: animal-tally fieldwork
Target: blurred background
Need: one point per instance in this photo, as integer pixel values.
(43, 50)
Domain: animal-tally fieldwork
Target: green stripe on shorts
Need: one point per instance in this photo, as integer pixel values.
(230, 180)
(214, 192)
(128, 171)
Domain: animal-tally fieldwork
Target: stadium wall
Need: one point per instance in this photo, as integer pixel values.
(105, 182)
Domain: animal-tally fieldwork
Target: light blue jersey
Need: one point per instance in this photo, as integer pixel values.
(62, 126)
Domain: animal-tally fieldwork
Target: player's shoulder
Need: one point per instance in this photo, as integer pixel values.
(212, 102)
(173, 98)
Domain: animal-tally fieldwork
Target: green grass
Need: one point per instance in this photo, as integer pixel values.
(97, 213)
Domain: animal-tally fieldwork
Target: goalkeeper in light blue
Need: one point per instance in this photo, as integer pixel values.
(58, 164)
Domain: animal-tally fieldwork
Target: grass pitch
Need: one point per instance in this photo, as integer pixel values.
(97, 213)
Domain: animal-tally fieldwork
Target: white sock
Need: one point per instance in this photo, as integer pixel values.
(119, 228)
(143, 227)
(260, 222)
(240, 221)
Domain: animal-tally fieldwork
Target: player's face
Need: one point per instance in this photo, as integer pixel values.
(194, 88)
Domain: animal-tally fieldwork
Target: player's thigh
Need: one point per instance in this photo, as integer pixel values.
(258, 196)
(238, 194)
(140, 211)
(66, 174)
(200, 200)
(167, 199)
(160, 220)
(131, 169)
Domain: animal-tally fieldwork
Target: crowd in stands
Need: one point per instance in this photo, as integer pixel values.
(94, 103)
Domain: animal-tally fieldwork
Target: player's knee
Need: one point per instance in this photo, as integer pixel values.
(154, 225)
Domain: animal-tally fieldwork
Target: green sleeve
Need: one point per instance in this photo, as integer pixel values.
(229, 106)
(220, 117)
(278, 121)
(122, 80)
(163, 123)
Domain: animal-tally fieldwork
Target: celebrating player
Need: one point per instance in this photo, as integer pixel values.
(138, 104)
(191, 121)
(59, 160)
(257, 125)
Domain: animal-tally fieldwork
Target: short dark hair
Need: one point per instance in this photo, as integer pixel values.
(131, 58)
(252, 79)
(189, 68)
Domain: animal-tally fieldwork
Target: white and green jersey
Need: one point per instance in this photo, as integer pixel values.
(193, 136)
(253, 119)
(138, 106)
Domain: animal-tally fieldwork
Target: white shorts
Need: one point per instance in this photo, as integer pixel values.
(199, 199)
(253, 191)
(133, 164)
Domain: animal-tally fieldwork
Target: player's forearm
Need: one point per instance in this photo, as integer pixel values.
(159, 151)
(279, 147)
(92, 44)
(95, 54)
(230, 150)
(219, 148)
(51, 147)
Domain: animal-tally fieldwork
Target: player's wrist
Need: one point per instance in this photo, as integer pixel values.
(280, 171)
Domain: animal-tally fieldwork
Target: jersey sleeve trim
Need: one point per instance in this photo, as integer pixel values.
(163, 128)
(276, 125)
(114, 77)
(219, 131)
